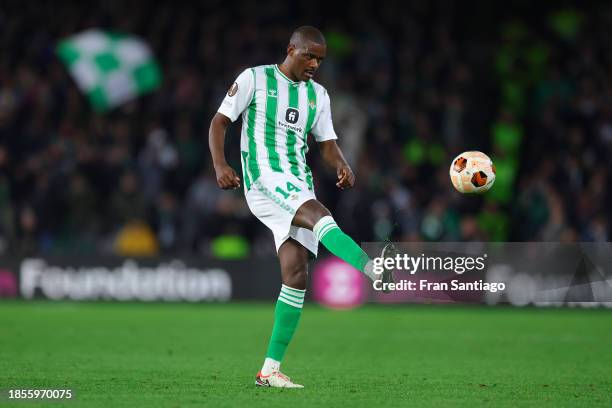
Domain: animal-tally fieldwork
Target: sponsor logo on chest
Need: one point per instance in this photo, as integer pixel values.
(292, 116)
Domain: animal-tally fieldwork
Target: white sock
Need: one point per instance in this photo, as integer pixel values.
(270, 366)
(368, 270)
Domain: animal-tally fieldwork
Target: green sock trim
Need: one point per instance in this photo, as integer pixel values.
(288, 289)
(343, 247)
(297, 299)
(293, 297)
(290, 301)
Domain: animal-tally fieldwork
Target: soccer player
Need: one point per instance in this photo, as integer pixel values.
(280, 105)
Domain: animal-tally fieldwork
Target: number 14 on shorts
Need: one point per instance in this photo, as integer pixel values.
(287, 192)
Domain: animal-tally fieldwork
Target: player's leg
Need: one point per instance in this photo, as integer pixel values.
(316, 217)
(294, 272)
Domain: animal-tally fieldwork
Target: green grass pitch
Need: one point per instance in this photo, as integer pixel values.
(155, 355)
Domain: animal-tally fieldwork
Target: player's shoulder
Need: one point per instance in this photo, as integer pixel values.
(319, 89)
(252, 71)
(260, 68)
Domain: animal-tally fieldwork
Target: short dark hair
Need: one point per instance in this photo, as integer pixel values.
(307, 33)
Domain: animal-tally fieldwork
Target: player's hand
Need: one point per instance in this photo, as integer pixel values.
(226, 177)
(346, 178)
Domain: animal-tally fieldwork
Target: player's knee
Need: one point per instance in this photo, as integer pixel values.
(320, 213)
(296, 277)
(310, 213)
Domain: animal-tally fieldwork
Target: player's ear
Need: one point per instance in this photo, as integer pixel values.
(290, 49)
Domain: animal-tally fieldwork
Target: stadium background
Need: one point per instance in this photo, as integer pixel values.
(412, 84)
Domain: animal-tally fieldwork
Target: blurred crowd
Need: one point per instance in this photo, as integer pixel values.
(412, 85)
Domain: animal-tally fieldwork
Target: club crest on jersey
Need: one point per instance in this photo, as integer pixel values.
(292, 115)
(312, 104)
(272, 93)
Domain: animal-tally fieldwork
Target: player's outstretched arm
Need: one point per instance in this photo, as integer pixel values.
(333, 157)
(226, 176)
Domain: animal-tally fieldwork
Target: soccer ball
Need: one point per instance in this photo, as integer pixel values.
(472, 172)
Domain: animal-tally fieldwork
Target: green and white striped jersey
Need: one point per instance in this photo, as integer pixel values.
(277, 115)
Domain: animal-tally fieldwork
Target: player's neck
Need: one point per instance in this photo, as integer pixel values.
(283, 68)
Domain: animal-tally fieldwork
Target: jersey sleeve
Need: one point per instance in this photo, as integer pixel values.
(323, 128)
(238, 96)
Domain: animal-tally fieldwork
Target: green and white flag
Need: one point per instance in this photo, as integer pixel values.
(109, 68)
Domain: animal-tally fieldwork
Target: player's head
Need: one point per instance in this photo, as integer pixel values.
(305, 52)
